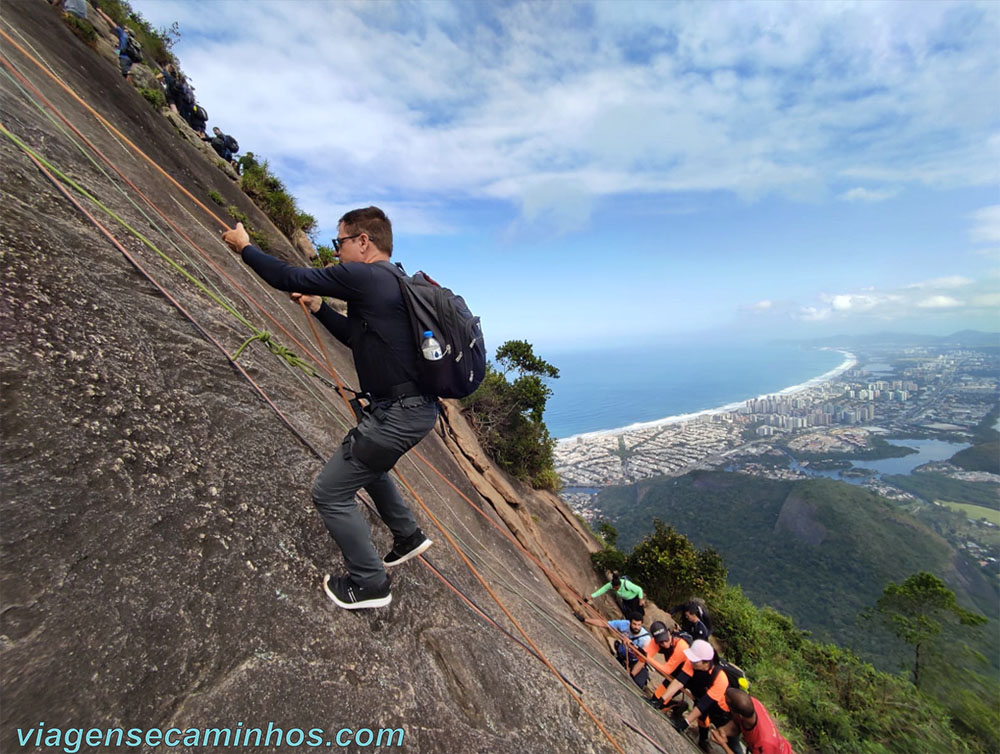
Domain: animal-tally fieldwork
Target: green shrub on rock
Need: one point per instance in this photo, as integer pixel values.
(155, 97)
(507, 415)
(83, 29)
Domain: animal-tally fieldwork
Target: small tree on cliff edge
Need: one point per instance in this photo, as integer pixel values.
(507, 415)
(917, 610)
(666, 564)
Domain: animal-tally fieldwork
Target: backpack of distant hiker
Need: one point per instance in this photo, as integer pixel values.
(231, 144)
(463, 364)
(737, 678)
(133, 47)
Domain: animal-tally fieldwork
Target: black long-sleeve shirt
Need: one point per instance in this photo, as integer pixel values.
(377, 327)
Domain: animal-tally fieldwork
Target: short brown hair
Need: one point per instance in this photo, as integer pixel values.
(373, 222)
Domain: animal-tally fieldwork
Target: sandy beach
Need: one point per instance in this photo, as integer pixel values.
(849, 362)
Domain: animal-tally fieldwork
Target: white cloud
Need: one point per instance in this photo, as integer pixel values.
(856, 302)
(516, 101)
(954, 281)
(762, 306)
(937, 297)
(986, 224)
(991, 300)
(860, 194)
(814, 314)
(939, 302)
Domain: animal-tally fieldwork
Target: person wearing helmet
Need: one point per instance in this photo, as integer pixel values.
(707, 682)
(673, 645)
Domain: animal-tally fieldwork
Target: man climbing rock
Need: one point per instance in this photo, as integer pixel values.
(638, 637)
(629, 593)
(397, 415)
(673, 645)
(751, 718)
(707, 682)
(224, 145)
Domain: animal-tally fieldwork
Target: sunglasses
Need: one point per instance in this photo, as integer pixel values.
(338, 242)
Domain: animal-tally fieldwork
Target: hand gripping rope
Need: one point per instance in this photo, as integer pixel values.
(294, 360)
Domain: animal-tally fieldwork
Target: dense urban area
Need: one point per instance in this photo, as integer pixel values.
(883, 397)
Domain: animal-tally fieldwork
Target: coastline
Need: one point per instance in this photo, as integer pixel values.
(849, 362)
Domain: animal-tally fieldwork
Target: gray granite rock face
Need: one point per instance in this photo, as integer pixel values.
(161, 560)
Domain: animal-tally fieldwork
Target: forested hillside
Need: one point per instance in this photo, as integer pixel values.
(818, 550)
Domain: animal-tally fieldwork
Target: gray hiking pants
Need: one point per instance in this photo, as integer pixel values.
(363, 461)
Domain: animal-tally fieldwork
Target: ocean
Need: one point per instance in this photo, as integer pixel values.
(614, 388)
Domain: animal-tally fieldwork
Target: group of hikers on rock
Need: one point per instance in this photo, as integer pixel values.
(692, 670)
(395, 410)
(177, 90)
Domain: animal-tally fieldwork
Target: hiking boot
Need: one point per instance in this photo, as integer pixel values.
(405, 549)
(703, 742)
(348, 595)
(655, 703)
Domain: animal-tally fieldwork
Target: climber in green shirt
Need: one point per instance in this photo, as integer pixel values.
(630, 594)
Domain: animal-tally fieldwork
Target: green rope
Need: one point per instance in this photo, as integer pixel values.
(27, 95)
(277, 349)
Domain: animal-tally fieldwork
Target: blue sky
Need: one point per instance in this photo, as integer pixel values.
(677, 171)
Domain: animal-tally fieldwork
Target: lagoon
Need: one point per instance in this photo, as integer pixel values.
(927, 452)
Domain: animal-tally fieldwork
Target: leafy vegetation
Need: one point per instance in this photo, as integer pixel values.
(82, 28)
(507, 415)
(268, 192)
(917, 610)
(325, 255)
(824, 698)
(665, 564)
(823, 551)
(155, 97)
(975, 511)
(259, 239)
(817, 549)
(156, 43)
(216, 197)
(931, 486)
(984, 455)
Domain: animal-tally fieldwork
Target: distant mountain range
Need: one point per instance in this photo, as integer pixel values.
(966, 338)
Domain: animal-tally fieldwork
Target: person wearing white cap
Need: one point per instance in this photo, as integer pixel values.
(707, 683)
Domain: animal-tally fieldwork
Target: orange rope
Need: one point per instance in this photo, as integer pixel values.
(110, 127)
(340, 386)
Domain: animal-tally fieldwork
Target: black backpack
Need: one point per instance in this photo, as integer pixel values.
(231, 144)
(737, 678)
(133, 47)
(431, 307)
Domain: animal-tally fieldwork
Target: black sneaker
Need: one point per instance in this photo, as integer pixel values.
(703, 742)
(405, 549)
(346, 594)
